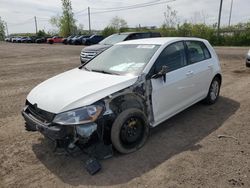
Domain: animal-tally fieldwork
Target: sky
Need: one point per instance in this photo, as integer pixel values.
(19, 14)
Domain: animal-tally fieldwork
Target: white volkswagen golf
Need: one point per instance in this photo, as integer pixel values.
(115, 98)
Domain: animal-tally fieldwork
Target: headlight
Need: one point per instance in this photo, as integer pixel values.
(79, 116)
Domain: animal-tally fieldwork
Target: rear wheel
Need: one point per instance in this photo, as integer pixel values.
(214, 91)
(130, 131)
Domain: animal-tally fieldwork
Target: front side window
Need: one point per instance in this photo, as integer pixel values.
(123, 59)
(197, 51)
(173, 56)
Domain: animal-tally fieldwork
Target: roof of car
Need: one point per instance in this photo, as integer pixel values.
(133, 32)
(159, 40)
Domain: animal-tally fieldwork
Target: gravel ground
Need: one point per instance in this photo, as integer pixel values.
(185, 151)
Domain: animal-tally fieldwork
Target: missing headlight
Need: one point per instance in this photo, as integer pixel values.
(86, 130)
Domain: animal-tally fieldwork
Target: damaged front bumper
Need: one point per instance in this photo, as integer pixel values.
(70, 133)
(52, 132)
(69, 136)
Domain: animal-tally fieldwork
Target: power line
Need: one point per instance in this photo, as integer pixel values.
(135, 7)
(81, 11)
(139, 4)
(24, 22)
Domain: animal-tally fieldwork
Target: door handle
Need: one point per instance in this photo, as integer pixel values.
(210, 66)
(190, 73)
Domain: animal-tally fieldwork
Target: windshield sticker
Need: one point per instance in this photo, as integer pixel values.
(126, 66)
(147, 46)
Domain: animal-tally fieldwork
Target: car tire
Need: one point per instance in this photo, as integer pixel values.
(129, 131)
(213, 92)
(51, 42)
(247, 64)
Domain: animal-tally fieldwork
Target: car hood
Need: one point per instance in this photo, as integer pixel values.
(97, 47)
(76, 88)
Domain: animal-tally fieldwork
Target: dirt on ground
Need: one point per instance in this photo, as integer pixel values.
(204, 146)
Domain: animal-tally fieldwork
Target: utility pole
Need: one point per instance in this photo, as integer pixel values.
(218, 28)
(7, 28)
(230, 15)
(89, 20)
(35, 24)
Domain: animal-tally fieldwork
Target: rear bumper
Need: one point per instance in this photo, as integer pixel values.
(53, 132)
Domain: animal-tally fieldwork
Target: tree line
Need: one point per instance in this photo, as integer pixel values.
(234, 35)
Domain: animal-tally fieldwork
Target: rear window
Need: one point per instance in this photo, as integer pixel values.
(113, 39)
(197, 51)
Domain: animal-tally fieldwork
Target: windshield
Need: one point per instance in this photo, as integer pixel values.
(123, 59)
(113, 39)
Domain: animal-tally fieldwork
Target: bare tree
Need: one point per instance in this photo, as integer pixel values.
(118, 23)
(199, 17)
(170, 17)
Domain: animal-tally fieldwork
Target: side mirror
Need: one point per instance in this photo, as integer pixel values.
(161, 73)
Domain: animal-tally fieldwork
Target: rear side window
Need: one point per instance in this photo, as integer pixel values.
(138, 36)
(144, 35)
(197, 51)
(155, 35)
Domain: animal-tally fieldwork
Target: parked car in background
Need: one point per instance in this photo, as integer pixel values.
(20, 39)
(88, 53)
(7, 39)
(26, 40)
(248, 59)
(78, 40)
(41, 40)
(69, 41)
(54, 39)
(33, 39)
(15, 39)
(94, 39)
(116, 98)
(65, 40)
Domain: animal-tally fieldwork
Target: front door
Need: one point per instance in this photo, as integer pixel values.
(171, 95)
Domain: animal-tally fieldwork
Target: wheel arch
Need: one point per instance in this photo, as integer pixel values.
(219, 76)
(126, 101)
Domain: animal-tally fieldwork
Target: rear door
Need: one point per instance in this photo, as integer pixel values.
(200, 68)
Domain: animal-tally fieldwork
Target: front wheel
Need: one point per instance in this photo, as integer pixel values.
(129, 131)
(214, 91)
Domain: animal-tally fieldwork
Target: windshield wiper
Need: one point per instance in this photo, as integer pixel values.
(85, 68)
(105, 72)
